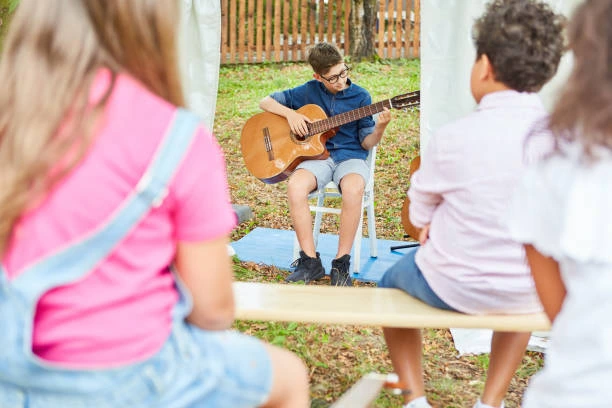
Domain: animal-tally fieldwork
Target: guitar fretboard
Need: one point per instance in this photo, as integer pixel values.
(324, 125)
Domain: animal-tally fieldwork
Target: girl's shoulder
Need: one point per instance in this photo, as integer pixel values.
(132, 96)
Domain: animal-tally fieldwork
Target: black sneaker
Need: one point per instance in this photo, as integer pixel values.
(307, 269)
(340, 275)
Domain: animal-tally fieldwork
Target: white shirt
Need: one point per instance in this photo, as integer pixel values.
(468, 173)
(564, 209)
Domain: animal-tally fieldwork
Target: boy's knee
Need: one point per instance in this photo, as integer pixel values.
(352, 184)
(300, 184)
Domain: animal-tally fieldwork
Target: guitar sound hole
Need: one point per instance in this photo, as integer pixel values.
(298, 138)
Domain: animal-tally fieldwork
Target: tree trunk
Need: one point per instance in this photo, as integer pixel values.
(362, 23)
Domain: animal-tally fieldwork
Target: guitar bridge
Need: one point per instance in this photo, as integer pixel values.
(268, 144)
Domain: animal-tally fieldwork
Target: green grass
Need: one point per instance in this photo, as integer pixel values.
(6, 9)
(4, 19)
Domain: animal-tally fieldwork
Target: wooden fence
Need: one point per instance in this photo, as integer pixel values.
(283, 30)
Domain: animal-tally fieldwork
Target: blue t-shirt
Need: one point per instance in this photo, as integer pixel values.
(346, 143)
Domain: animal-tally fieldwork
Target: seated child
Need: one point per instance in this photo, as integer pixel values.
(469, 168)
(115, 283)
(333, 91)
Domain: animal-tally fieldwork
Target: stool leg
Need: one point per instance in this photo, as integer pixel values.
(357, 246)
(372, 229)
(296, 248)
(316, 230)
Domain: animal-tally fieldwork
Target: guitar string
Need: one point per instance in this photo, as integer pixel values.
(350, 116)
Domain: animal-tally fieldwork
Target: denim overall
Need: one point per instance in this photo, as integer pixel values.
(179, 375)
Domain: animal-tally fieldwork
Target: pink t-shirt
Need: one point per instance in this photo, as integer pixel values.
(121, 311)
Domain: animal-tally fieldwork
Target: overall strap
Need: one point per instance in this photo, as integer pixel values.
(78, 259)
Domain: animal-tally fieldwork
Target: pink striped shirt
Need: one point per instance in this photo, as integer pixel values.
(469, 171)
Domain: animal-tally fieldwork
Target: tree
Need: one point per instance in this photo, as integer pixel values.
(362, 29)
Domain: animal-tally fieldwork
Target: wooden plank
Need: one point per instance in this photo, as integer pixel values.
(321, 20)
(286, 23)
(338, 37)
(304, 25)
(312, 25)
(276, 37)
(295, 8)
(347, 34)
(416, 47)
(381, 29)
(232, 30)
(364, 392)
(408, 30)
(329, 11)
(399, 32)
(269, 20)
(363, 306)
(251, 30)
(242, 21)
(224, 25)
(260, 39)
(388, 17)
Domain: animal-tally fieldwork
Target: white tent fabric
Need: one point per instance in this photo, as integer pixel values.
(447, 54)
(200, 55)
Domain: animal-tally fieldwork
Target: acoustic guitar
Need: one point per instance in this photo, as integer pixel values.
(271, 151)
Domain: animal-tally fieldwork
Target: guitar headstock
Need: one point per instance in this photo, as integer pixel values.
(406, 100)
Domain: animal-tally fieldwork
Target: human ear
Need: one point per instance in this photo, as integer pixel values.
(487, 71)
(479, 69)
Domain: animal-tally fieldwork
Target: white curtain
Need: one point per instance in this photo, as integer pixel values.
(199, 55)
(447, 54)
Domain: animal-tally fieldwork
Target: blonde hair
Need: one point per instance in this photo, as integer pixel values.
(52, 53)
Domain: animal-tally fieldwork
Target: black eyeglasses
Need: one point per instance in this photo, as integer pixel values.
(334, 78)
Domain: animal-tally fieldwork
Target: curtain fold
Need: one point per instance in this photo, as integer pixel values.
(200, 55)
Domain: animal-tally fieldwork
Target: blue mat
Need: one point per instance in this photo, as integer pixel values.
(275, 247)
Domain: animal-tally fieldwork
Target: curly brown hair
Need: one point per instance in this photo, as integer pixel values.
(323, 56)
(583, 111)
(523, 40)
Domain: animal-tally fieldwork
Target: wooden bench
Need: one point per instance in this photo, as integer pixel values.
(363, 306)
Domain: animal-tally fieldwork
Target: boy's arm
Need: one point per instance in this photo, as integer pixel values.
(373, 138)
(427, 185)
(297, 121)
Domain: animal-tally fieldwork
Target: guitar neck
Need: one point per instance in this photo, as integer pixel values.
(324, 125)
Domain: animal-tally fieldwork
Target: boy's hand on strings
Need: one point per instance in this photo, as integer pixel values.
(298, 123)
(424, 234)
(384, 118)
